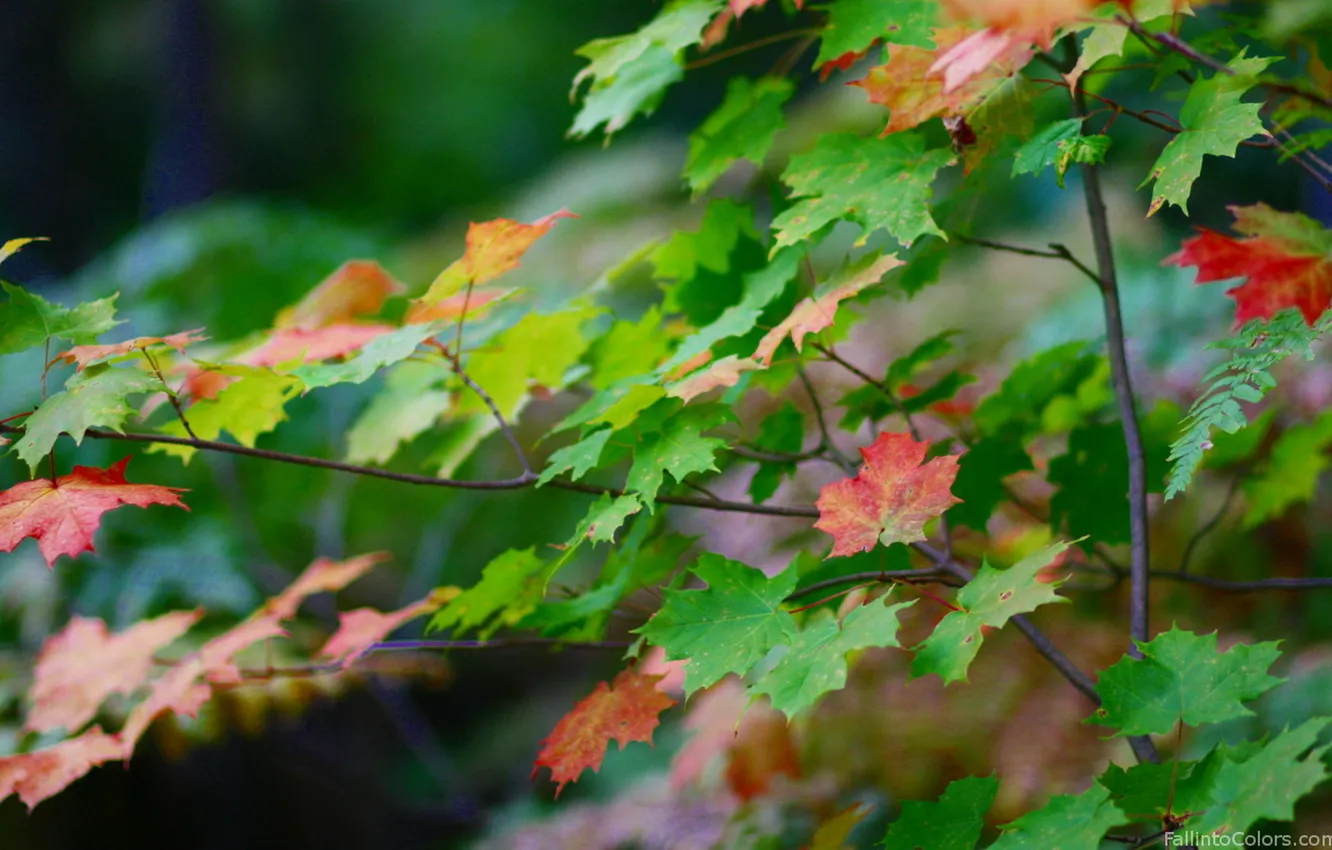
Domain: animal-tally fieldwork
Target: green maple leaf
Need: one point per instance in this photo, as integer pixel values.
(629, 350)
(1033, 385)
(1093, 479)
(630, 73)
(761, 288)
(94, 398)
(605, 517)
(1061, 145)
(1291, 473)
(509, 590)
(1067, 821)
(953, 822)
(877, 183)
(250, 406)
(989, 599)
(579, 457)
(727, 627)
(1267, 783)
(379, 352)
(743, 127)
(855, 25)
(28, 320)
(815, 661)
(1158, 789)
(1214, 121)
(980, 479)
(410, 403)
(538, 350)
(706, 268)
(1181, 678)
(678, 448)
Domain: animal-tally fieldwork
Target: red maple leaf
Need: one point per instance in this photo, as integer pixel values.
(360, 629)
(625, 710)
(83, 664)
(323, 575)
(63, 517)
(891, 499)
(311, 345)
(1287, 258)
(42, 774)
(85, 354)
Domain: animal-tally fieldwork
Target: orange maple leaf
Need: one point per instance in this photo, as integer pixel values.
(85, 354)
(39, 775)
(311, 345)
(450, 308)
(891, 499)
(625, 710)
(64, 516)
(83, 664)
(357, 288)
(1287, 258)
(360, 629)
(917, 84)
(819, 311)
(723, 373)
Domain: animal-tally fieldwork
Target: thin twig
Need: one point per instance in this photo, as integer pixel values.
(928, 574)
(495, 412)
(842, 460)
(741, 49)
(1057, 252)
(170, 393)
(1208, 526)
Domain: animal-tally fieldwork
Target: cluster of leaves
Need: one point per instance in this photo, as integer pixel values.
(670, 401)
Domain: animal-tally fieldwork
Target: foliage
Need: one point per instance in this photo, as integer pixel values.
(946, 538)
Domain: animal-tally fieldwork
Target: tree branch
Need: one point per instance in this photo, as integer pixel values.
(1056, 252)
(1139, 563)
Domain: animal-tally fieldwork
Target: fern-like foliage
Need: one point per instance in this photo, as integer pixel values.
(1243, 377)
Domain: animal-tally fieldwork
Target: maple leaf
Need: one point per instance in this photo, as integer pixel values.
(628, 74)
(95, 398)
(1267, 783)
(678, 447)
(874, 182)
(1286, 257)
(13, 246)
(727, 627)
(1181, 678)
(743, 127)
(1065, 821)
(917, 83)
(815, 662)
(988, 601)
(832, 834)
(412, 401)
(454, 306)
(310, 345)
(360, 629)
(820, 310)
(625, 710)
(1034, 20)
(42, 774)
(322, 576)
(493, 248)
(28, 320)
(247, 407)
(83, 664)
(64, 516)
(86, 354)
(953, 822)
(357, 288)
(725, 372)
(1214, 121)
(890, 500)
(511, 585)
(854, 26)
(383, 350)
